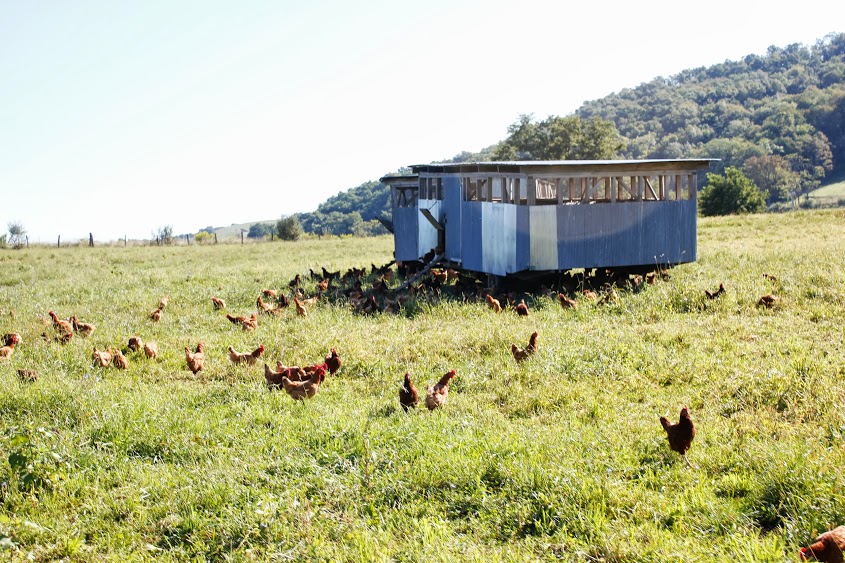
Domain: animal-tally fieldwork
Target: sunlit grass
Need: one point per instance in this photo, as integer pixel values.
(561, 457)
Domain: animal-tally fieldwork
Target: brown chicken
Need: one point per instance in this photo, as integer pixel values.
(118, 359)
(9, 349)
(520, 354)
(263, 307)
(680, 435)
(333, 361)
(769, 301)
(11, 337)
(521, 309)
(494, 303)
(101, 358)
(566, 302)
(300, 308)
(218, 303)
(82, 329)
(249, 359)
(163, 302)
(59, 324)
(408, 394)
(435, 397)
(135, 344)
(156, 315)
(28, 375)
(294, 373)
(828, 547)
(715, 294)
(247, 323)
(300, 390)
(151, 350)
(196, 360)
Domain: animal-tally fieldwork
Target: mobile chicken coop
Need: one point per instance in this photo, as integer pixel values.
(524, 218)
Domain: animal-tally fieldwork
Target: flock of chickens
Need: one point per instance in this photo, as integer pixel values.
(303, 382)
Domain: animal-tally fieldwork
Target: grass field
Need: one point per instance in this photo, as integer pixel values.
(561, 457)
(830, 195)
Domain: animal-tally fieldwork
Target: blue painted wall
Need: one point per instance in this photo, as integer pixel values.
(452, 217)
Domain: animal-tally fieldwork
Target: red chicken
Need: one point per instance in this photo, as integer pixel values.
(680, 435)
(300, 390)
(156, 315)
(494, 303)
(408, 394)
(151, 350)
(118, 359)
(521, 309)
(247, 323)
(101, 358)
(249, 359)
(135, 343)
(196, 360)
(566, 302)
(828, 547)
(218, 303)
(82, 329)
(61, 325)
(715, 294)
(11, 337)
(435, 397)
(9, 349)
(520, 354)
(333, 361)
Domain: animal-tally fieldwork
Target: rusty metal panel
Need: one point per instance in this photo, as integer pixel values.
(406, 232)
(542, 226)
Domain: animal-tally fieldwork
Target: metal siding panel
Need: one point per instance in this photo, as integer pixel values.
(405, 227)
(509, 232)
(427, 232)
(626, 234)
(472, 243)
(543, 237)
(452, 216)
(523, 238)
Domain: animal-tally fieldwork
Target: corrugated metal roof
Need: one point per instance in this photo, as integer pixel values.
(560, 165)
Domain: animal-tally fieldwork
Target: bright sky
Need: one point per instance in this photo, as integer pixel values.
(117, 118)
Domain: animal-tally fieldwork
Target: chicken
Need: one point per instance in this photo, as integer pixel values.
(770, 277)
(9, 349)
(218, 303)
(680, 435)
(494, 303)
(11, 337)
(118, 359)
(249, 359)
(151, 350)
(300, 308)
(135, 343)
(274, 378)
(333, 361)
(651, 278)
(566, 302)
(156, 315)
(311, 301)
(300, 390)
(269, 293)
(101, 358)
(59, 324)
(163, 302)
(295, 282)
(28, 375)
(435, 397)
(521, 309)
(715, 294)
(590, 294)
(828, 547)
(62, 338)
(768, 301)
(266, 308)
(322, 286)
(520, 354)
(196, 360)
(247, 323)
(82, 329)
(408, 394)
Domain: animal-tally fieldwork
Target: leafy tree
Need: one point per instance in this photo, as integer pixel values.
(773, 175)
(559, 138)
(288, 228)
(203, 236)
(730, 194)
(17, 233)
(259, 230)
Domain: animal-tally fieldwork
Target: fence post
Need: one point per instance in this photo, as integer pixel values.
(242, 236)
(125, 240)
(59, 242)
(215, 238)
(90, 239)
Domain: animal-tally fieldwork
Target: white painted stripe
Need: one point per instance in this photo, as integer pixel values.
(498, 234)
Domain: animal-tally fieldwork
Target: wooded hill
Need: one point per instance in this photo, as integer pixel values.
(780, 117)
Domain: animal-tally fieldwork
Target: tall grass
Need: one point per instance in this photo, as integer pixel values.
(561, 457)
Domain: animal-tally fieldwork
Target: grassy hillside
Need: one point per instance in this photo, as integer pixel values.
(830, 195)
(561, 457)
